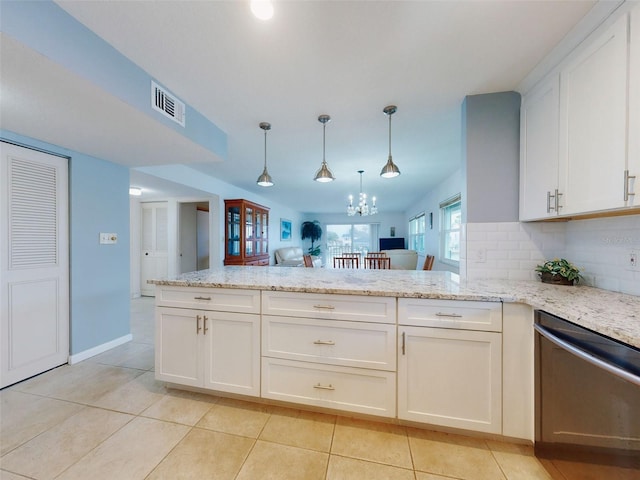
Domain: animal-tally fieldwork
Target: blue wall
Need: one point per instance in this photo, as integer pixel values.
(99, 274)
(491, 157)
(49, 30)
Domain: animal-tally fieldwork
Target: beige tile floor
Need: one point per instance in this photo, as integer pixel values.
(107, 418)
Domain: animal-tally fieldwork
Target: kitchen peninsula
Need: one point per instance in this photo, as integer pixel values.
(413, 346)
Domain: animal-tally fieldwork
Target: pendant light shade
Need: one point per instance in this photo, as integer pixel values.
(390, 169)
(324, 175)
(265, 179)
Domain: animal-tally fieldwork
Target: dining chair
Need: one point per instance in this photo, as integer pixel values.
(377, 263)
(376, 254)
(346, 262)
(308, 261)
(351, 254)
(428, 262)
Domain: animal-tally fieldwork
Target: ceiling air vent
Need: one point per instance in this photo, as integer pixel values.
(167, 104)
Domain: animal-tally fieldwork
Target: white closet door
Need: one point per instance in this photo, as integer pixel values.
(155, 240)
(34, 263)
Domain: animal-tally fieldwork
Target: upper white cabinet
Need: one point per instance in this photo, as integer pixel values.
(593, 118)
(580, 128)
(633, 156)
(539, 192)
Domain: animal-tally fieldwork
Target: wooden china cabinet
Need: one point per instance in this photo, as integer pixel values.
(246, 233)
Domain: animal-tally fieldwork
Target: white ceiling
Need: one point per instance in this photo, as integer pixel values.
(345, 59)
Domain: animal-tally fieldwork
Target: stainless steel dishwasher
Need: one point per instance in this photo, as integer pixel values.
(587, 401)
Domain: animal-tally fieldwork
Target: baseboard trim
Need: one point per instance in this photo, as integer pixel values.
(78, 357)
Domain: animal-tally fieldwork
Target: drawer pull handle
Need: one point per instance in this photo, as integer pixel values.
(324, 387)
(198, 328)
(325, 307)
(452, 315)
(202, 298)
(324, 342)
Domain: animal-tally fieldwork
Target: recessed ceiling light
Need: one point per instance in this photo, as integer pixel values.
(262, 9)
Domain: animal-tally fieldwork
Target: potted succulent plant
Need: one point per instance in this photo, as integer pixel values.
(559, 271)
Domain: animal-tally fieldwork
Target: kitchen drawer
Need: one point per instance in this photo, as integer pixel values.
(220, 299)
(357, 308)
(464, 315)
(344, 388)
(337, 342)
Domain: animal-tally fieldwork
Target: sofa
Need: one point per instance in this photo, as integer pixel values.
(402, 259)
(292, 257)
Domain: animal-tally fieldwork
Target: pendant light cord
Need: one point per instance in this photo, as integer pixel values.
(324, 134)
(389, 134)
(265, 149)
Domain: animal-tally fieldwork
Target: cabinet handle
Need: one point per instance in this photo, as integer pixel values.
(205, 325)
(325, 307)
(558, 206)
(451, 315)
(627, 179)
(403, 343)
(549, 207)
(198, 324)
(202, 298)
(324, 342)
(324, 387)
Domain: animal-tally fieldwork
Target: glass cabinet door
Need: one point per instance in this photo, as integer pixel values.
(233, 231)
(248, 232)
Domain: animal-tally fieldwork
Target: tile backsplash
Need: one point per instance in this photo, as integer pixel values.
(599, 247)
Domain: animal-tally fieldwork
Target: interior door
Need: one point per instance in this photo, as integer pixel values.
(34, 263)
(155, 239)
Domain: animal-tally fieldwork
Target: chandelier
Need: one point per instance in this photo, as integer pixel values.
(362, 208)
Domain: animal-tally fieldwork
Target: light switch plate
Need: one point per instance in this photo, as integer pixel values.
(108, 238)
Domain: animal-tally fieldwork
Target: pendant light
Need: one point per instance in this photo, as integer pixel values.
(324, 175)
(265, 179)
(390, 169)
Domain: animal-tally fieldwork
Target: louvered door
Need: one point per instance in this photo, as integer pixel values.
(155, 239)
(34, 263)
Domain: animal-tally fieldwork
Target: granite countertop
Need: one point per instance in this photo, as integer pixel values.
(613, 314)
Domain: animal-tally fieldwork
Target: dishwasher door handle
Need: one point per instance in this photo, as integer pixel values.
(586, 356)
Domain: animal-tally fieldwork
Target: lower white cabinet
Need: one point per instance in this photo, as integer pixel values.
(208, 349)
(451, 378)
(333, 351)
(450, 363)
(344, 388)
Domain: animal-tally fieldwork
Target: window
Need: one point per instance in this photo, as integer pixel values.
(417, 227)
(451, 223)
(359, 237)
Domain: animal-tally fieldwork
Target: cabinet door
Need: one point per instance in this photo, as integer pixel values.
(232, 352)
(450, 378)
(178, 346)
(539, 151)
(633, 158)
(593, 113)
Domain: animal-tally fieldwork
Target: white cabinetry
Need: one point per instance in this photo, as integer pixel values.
(540, 196)
(335, 351)
(450, 363)
(633, 158)
(593, 123)
(215, 346)
(580, 152)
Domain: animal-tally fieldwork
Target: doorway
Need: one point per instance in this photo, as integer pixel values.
(193, 244)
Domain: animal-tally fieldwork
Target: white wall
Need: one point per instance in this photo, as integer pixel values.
(430, 203)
